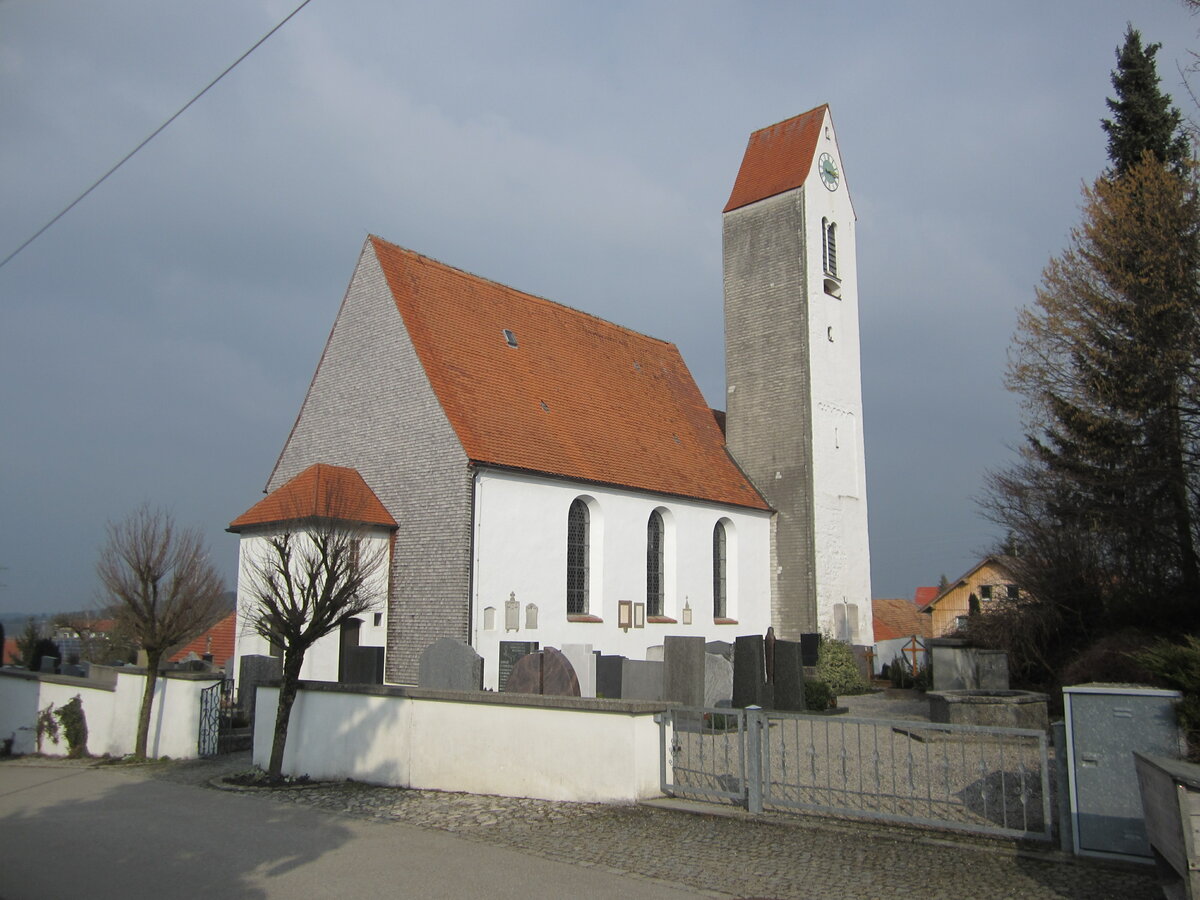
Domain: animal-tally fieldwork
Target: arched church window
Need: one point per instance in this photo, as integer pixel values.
(655, 533)
(577, 558)
(720, 572)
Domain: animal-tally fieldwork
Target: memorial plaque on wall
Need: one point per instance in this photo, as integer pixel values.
(510, 652)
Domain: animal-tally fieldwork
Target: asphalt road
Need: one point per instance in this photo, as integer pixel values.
(101, 833)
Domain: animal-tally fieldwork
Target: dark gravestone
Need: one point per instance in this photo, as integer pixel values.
(608, 676)
(362, 665)
(253, 671)
(683, 670)
(810, 647)
(789, 676)
(510, 652)
(641, 679)
(546, 672)
(449, 664)
(749, 672)
(49, 664)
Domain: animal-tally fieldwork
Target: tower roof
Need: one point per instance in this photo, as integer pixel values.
(320, 491)
(778, 158)
(533, 385)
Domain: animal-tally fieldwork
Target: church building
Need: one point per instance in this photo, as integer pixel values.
(541, 475)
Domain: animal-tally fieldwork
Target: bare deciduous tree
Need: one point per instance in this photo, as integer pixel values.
(162, 589)
(308, 579)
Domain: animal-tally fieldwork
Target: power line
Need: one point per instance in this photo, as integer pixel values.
(128, 156)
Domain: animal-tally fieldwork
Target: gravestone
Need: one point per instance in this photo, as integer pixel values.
(720, 648)
(545, 672)
(510, 652)
(810, 649)
(718, 680)
(683, 670)
(655, 653)
(789, 676)
(449, 664)
(254, 670)
(362, 665)
(641, 679)
(583, 661)
(608, 677)
(749, 672)
(48, 664)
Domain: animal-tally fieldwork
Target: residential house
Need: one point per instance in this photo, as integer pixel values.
(992, 579)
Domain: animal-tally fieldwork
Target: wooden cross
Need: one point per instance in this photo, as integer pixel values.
(912, 648)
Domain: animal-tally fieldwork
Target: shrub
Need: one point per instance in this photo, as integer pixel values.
(838, 668)
(74, 726)
(47, 727)
(818, 696)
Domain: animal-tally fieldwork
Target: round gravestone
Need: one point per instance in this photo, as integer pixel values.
(545, 672)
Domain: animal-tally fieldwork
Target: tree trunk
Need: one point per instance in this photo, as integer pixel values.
(153, 658)
(287, 696)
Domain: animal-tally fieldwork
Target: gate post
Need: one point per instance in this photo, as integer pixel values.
(754, 769)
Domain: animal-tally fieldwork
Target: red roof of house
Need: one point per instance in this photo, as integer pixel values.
(218, 641)
(924, 596)
(778, 158)
(576, 396)
(898, 617)
(323, 491)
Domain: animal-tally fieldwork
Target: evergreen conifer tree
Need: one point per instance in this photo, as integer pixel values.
(1143, 118)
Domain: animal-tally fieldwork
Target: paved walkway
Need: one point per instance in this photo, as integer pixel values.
(629, 851)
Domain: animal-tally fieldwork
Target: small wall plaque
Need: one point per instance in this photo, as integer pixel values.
(625, 614)
(489, 618)
(639, 615)
(531, 615)
(512, 613)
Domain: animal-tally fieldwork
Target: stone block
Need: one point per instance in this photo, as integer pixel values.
(608, 677)
(810, 648)
(683, 670)
(749, 672)
(449, 664)
(655, 653)
(789, 676)
(583, 661)
(718, 680)
(720, 648)
(641, 679)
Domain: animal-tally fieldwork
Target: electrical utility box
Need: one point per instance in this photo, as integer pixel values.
(1105, 724)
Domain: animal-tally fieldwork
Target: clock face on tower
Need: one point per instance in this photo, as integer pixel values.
(829, 171)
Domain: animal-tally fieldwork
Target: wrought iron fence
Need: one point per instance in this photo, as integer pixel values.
(970, 778)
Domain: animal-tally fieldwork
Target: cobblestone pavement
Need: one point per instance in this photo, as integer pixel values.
(730, 854)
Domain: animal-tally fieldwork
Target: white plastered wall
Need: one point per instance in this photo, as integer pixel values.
(843, 560)
(520, 550)
(321, 660)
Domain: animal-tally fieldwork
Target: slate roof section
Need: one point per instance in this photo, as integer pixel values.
(898, 617)
(323, 491)
(576, 397)
(778, 158)
(217, 640)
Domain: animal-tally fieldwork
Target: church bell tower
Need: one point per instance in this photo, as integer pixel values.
(793, 388)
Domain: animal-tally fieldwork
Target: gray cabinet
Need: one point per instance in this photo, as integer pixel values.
(1106, 723)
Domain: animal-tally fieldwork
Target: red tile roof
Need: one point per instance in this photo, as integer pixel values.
(321, 490)
(778, 158)
(218, 641)
(576, 396)
(898, 617)
(924, 596)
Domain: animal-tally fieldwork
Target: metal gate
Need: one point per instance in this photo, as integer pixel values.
(963, 777)
(217, 712)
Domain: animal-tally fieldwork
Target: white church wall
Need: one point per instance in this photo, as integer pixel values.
(520, 552)
(843, 562)
(321, 660)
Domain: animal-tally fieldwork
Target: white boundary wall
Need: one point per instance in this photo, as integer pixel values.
(111, 711)
(551, 748)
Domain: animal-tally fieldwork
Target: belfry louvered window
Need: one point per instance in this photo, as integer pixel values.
(654, 564)
(720, 572)
(829, 247)
(577, 559)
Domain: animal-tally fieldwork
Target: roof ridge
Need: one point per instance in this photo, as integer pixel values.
(526, 294)
(807, 112)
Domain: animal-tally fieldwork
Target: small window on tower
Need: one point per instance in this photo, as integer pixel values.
(833, 286)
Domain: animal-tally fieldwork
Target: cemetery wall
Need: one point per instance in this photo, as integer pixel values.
(553, 748)
(111, 712)
(517, 555)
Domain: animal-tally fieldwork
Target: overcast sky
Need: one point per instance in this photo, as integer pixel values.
(156, 343)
